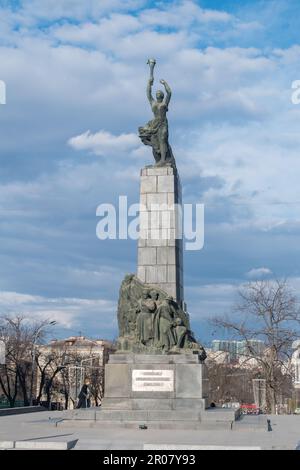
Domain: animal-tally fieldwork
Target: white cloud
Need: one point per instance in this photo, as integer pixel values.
(104, 143)
(257, 273)
(183, 14)
(67, 312)
(32, 11)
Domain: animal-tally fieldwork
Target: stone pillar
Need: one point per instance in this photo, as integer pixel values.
(160, 252)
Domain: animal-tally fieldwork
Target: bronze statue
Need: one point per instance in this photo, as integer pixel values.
(163, 326)
(144, 321)
(156, 133)
(152, 322)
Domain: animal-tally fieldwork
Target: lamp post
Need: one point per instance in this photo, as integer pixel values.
(52, 323)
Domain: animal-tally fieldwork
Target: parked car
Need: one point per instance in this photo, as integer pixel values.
(249, 409)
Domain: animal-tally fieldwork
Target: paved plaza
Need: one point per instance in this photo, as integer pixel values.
(46, 430)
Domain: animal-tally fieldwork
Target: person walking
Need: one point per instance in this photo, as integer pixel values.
(84, 395)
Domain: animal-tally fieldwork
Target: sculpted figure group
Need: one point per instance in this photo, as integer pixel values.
(150, 320)
(157, 324)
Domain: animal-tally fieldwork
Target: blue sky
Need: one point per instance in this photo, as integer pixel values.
(72, 67)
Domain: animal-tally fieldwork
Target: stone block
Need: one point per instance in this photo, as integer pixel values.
(141, 242)
(148, 184)
(190, 403)
(189, 381)
(159, 234)
(144, 221)
(156, 274)
(165, 184)
(117, 380)
(152, 404)
(166, 255)
(162, 255)
(159, 171)
(143, 202)
(168, 219)
(157, 242)
(158, 201)
(170, 288)
(171, 273)
(6, 445)
(171, 199)
(141, 273)
(155, 220)
(45, 445)
(117, 358)
(116, 403)
(146, 256)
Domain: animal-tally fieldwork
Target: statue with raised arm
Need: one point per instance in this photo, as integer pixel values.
(155, 133)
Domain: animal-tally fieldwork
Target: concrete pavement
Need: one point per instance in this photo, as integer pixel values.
(47, 427)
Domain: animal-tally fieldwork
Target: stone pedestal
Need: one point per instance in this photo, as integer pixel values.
(160, 258)
(155, 382)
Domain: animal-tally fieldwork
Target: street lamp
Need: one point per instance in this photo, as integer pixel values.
(52, 323)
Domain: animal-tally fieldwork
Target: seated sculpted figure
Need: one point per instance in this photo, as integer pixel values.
(144, 323)
(181, 333)
(163, 326)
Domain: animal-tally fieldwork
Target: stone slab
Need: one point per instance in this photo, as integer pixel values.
(196, 447)
(44, 445)
(189, 380)
(131, 358)
(217, 414)
(153, 403)
(7, 444)
(148, 184)
(117, 383)
(152, 380)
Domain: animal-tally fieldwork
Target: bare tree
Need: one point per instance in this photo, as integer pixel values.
(268, 311)
(49, 365)
(229, 383)
(20, 335)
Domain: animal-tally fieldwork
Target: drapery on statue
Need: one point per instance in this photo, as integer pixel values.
(152, 322)
(155, 133)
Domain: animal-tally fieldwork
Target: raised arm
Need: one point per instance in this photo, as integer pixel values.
(168, 91)
(149, 91)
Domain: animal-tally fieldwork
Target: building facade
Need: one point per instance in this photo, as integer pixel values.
(236, 349)
(71, 361)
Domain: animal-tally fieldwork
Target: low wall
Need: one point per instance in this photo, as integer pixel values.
(21, 410)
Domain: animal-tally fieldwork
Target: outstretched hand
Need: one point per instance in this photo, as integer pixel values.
(162, 81)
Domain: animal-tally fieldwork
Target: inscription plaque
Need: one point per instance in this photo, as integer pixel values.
(149, 380)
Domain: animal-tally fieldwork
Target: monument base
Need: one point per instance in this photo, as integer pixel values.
(157, 391)
(153, 383)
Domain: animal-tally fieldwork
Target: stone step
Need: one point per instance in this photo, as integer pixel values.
(136, 415)
(38, 445)
(164, 425)
(218, 414)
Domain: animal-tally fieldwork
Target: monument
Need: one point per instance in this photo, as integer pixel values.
(158, 371)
